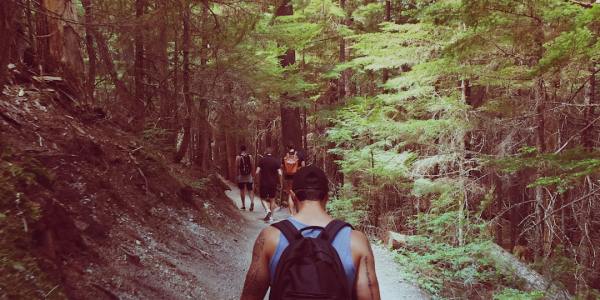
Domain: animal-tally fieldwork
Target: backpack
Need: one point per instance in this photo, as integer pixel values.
(310, 268)
(290, 164)
(245, 165)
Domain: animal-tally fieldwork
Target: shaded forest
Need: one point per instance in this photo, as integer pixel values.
(460, 124)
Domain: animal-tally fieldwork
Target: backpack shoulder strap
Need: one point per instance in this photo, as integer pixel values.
(332, 229)
(289, 230)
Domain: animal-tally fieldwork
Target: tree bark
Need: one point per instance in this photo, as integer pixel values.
(587, 138)
(291, 128)
(168, 101)
(59, 41)
(204, 135)
(187, 123)
(139, 105)
(7, 32)
(91, 50)
(387, 18)
(109, 66)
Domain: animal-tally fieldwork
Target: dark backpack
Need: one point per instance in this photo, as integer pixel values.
(310, 268)
(245, 165)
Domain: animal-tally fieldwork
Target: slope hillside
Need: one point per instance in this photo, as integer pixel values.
(87, 211)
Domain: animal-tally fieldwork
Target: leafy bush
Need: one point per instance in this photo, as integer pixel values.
(512, 294)
(348, 206)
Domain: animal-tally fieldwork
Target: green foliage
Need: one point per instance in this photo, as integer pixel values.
(563, 170)
(513, 294)
(439, 264)
(348, 206)
(201, 184)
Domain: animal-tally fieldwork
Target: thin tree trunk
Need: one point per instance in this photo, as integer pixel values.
(109, 65)
(589, 115)
(140, 97)
(387, 18)
(342, 58)
(91, 50)
(203, 126)
(167, 100)
(31, 31)
(7, 32)
(186, 85)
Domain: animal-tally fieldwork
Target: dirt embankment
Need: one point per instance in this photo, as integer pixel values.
(112, 217)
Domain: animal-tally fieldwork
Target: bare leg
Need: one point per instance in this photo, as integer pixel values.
(291, 205)
(251, 199)
(271, 204)
(243, 196)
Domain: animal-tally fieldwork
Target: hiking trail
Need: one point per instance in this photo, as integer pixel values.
(392, 278)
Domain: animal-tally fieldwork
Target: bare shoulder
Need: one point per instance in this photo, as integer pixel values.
(269, 237)
(359, 242)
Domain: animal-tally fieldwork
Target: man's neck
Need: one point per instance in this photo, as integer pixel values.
(312, 213)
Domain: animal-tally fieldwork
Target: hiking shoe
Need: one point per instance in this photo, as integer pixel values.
(252, 207)
(268, 217)
(243, 208)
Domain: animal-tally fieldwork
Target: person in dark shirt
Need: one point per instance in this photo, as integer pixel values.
(269, 175)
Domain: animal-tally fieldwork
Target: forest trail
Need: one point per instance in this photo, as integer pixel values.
(392, 282)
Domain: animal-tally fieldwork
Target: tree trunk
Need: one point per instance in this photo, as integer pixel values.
(587, 138)
(168, 101)
(203, 125)
(59, 42)
(291, 128)
(109, 65)
(91, 50)
(185, 143)
(7, 32)
(387, 18)
(139, 105)
(342, 82)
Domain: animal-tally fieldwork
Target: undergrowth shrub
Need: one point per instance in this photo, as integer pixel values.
(20, 274)
(348, 206)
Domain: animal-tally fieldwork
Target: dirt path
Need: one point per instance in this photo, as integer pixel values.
(391, 280)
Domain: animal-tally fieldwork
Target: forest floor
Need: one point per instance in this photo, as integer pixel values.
(119, 220)
(393, 282)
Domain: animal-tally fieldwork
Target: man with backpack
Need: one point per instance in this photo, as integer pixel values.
(311, 255)
(291, 163)
(269, 176)
(243, 163)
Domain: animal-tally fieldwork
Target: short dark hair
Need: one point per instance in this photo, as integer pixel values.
(269, 150)
(243, 148)
(315, 195)
(291, 146)
(310, 183)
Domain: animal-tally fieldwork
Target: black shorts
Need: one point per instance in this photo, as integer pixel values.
(247, 185)
(268, 192)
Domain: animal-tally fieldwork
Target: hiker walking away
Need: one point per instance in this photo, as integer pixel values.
(311, 255)
(291, 163)
(243, 163)
(268, 175)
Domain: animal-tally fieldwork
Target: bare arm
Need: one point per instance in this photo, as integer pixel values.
(366, 286)
(257, 278)
(257, 178)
